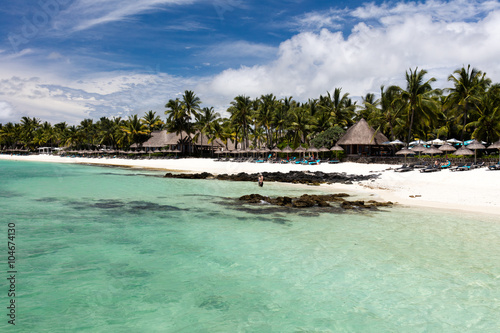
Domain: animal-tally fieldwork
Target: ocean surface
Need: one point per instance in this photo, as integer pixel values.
(101, 249)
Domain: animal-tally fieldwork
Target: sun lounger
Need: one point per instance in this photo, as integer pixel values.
(431, 168)
(465, 167)
(494, 166)
(333, 161)
(404, 168)
(315, 162)
(421, 165)
(445, 166)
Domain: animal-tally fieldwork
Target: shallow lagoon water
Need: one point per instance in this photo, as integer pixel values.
(116, 250)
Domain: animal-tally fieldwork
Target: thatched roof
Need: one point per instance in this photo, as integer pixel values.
(362, 134)
(163, 138)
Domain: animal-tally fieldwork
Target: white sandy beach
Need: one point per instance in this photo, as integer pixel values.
(473, 191)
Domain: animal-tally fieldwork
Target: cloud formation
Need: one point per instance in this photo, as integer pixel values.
(382, 43)
(437, 36)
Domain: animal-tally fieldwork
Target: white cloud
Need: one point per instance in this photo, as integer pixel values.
(435, 36)
(85, 14)
(6, 112)
(240, 50)
(428, 35)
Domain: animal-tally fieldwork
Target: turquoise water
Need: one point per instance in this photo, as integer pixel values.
(112, 250)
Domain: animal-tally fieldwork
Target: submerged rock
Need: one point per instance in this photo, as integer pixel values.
(314, 200)
(297, 177)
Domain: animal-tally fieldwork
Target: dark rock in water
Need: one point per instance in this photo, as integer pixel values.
(297, 177)
(203, 175)
(254, 198)
(360, 204)
(314, 200)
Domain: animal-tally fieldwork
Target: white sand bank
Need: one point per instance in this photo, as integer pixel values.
(474, 191)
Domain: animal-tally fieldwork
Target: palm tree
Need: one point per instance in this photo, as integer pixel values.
(265, 113)
(241, 112)
(28, 126)
(299, 126)
(152, 121)
(9, 134)
(468, 86)
(205, 122)
(419, 98)
(340, 107)
(177, 120)
(136, 131)
(88, 132)
(61, 131)
(487, 127)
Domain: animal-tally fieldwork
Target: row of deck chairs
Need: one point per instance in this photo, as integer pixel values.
(292, 160)
(426, 167)
(494, 166)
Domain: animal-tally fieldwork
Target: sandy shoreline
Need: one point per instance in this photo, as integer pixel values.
(472, 191)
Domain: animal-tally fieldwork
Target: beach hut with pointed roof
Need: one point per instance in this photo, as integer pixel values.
(362, 139)
(172, 140)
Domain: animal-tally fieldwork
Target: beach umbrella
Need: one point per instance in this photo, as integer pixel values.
(405, 152)
(323, 149)
(419, 148)
(437, 142)
(397, 142)
(496, 145)
(453, 141)
(337, 148)
(432, 150)
(475, 145)
(300, 150)
(417, 142)
(447, 148)
(312, 149)
(463, 151)
(287, 150)
(276, 150)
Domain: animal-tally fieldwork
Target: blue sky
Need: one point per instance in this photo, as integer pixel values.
(66, 60)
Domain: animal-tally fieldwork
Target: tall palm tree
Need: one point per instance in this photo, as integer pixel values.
(339, 107)
(88, 132)
(28, 126)
(487, 127)
(136, 131)
(300, 126)
(241, 115)
(152, 121)
(468, 87)
(205, 122)
(265, 113)
(419, 98)
(177, 120)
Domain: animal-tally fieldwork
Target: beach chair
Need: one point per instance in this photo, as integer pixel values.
(333, 161)
(477, 165)
(404, 168)
(494, 166)
(421, 165)
(315, 162)
(445, 166)
(431, 168)
(465, 167)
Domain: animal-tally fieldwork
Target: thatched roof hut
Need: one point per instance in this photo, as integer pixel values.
(360, 138)
(160, 139)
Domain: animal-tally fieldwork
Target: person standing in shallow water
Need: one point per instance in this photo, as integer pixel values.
(261, 180)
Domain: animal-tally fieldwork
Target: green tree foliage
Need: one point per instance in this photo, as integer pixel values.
(469, 109)
(328, 138)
